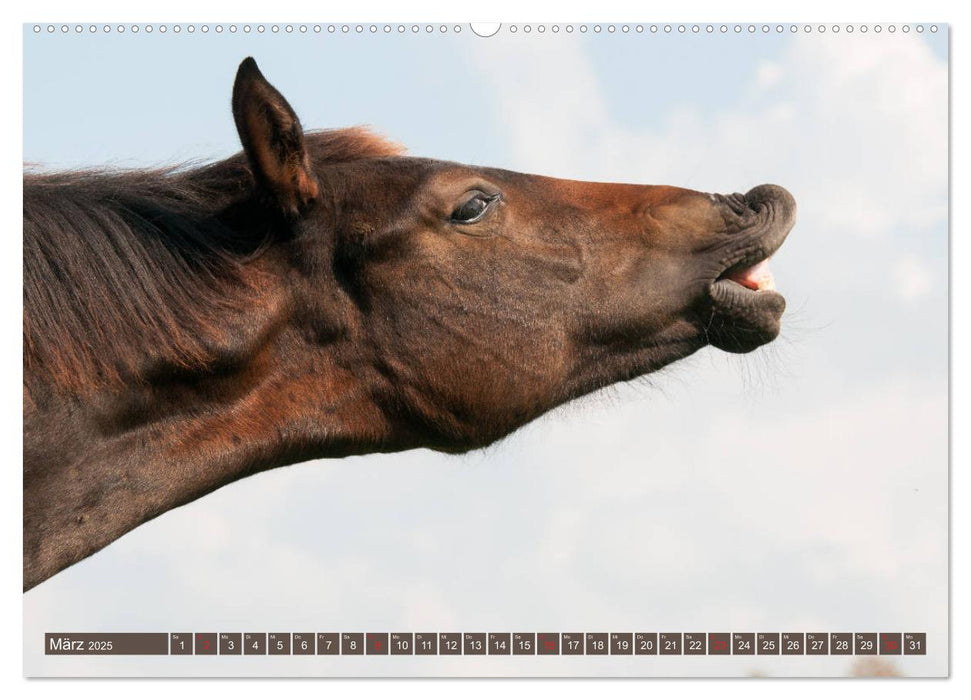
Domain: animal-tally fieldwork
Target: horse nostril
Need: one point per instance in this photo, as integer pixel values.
(739, 200)
(736, 202)
(778, 197)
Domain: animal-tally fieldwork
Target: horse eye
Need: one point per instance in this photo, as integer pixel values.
(473, 208)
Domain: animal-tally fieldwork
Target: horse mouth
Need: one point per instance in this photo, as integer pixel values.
(746, 310)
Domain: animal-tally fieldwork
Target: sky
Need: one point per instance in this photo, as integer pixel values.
(802, 487)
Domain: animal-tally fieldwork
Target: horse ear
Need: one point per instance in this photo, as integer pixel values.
(273, 140)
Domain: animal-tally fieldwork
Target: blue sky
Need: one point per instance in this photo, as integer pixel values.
(803, 486)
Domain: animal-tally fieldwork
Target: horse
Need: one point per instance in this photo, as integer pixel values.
(324, 294)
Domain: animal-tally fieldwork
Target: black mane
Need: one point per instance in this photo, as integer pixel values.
(127, 267)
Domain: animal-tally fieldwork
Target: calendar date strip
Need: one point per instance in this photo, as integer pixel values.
(487, 644)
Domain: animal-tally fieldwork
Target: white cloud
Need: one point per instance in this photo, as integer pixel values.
(914, 279)
(769, 75)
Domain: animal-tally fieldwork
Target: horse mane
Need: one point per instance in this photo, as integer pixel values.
(126, 268)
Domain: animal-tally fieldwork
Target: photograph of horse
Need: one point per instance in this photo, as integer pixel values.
(323, 294)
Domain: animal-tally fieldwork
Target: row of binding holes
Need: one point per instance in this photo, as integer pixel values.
(722, 28)
(259, 28)
(514, 28)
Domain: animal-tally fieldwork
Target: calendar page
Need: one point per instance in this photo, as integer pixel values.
(545, 349)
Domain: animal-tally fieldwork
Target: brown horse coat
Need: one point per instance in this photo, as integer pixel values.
(322, 295)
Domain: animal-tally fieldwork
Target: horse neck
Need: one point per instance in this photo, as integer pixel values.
(97, 467)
